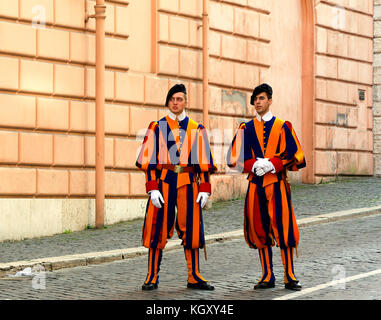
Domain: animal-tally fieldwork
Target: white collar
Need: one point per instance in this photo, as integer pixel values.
(180, 117)
(267, 117)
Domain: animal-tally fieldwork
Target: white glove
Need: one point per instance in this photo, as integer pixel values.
(264, 166)
(203, 196)
(260, 163)
(260, 172)
(156, 197)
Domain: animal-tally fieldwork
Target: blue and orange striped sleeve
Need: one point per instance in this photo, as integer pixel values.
(148, 156)
(236, 152)
(205, 160)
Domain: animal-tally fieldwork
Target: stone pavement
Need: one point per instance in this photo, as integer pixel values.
(226, 216)
(344, 248)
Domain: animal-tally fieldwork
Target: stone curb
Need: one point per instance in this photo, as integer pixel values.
(84, 259)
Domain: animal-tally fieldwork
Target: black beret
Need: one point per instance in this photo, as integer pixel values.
(264, 87)
(176, 88)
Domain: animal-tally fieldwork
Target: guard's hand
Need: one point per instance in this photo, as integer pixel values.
(203, 197)
(256, 165)
(259, 163)
(259, 172)
(266, 166)
(156, 197)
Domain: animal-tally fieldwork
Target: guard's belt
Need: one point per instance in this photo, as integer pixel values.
(177, 169)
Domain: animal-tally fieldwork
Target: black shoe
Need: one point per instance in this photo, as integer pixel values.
(200, 286)
(293, 285)
(149, 286)
(264, 285)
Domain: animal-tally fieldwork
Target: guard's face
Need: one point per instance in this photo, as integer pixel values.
(177, 103)
(262, 103)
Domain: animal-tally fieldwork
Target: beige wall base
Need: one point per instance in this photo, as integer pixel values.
(30, 218)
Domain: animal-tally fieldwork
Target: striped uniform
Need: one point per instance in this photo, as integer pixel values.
(268, 213)
(184, 143)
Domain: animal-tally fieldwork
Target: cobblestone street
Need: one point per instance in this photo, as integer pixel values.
(327, 251)
(344, 250)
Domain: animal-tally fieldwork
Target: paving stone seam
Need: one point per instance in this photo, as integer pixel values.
(90, 258)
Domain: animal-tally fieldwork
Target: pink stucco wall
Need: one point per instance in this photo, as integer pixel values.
(47, 92)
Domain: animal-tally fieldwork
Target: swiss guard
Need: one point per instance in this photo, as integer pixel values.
(177, 161)
(266, 148)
